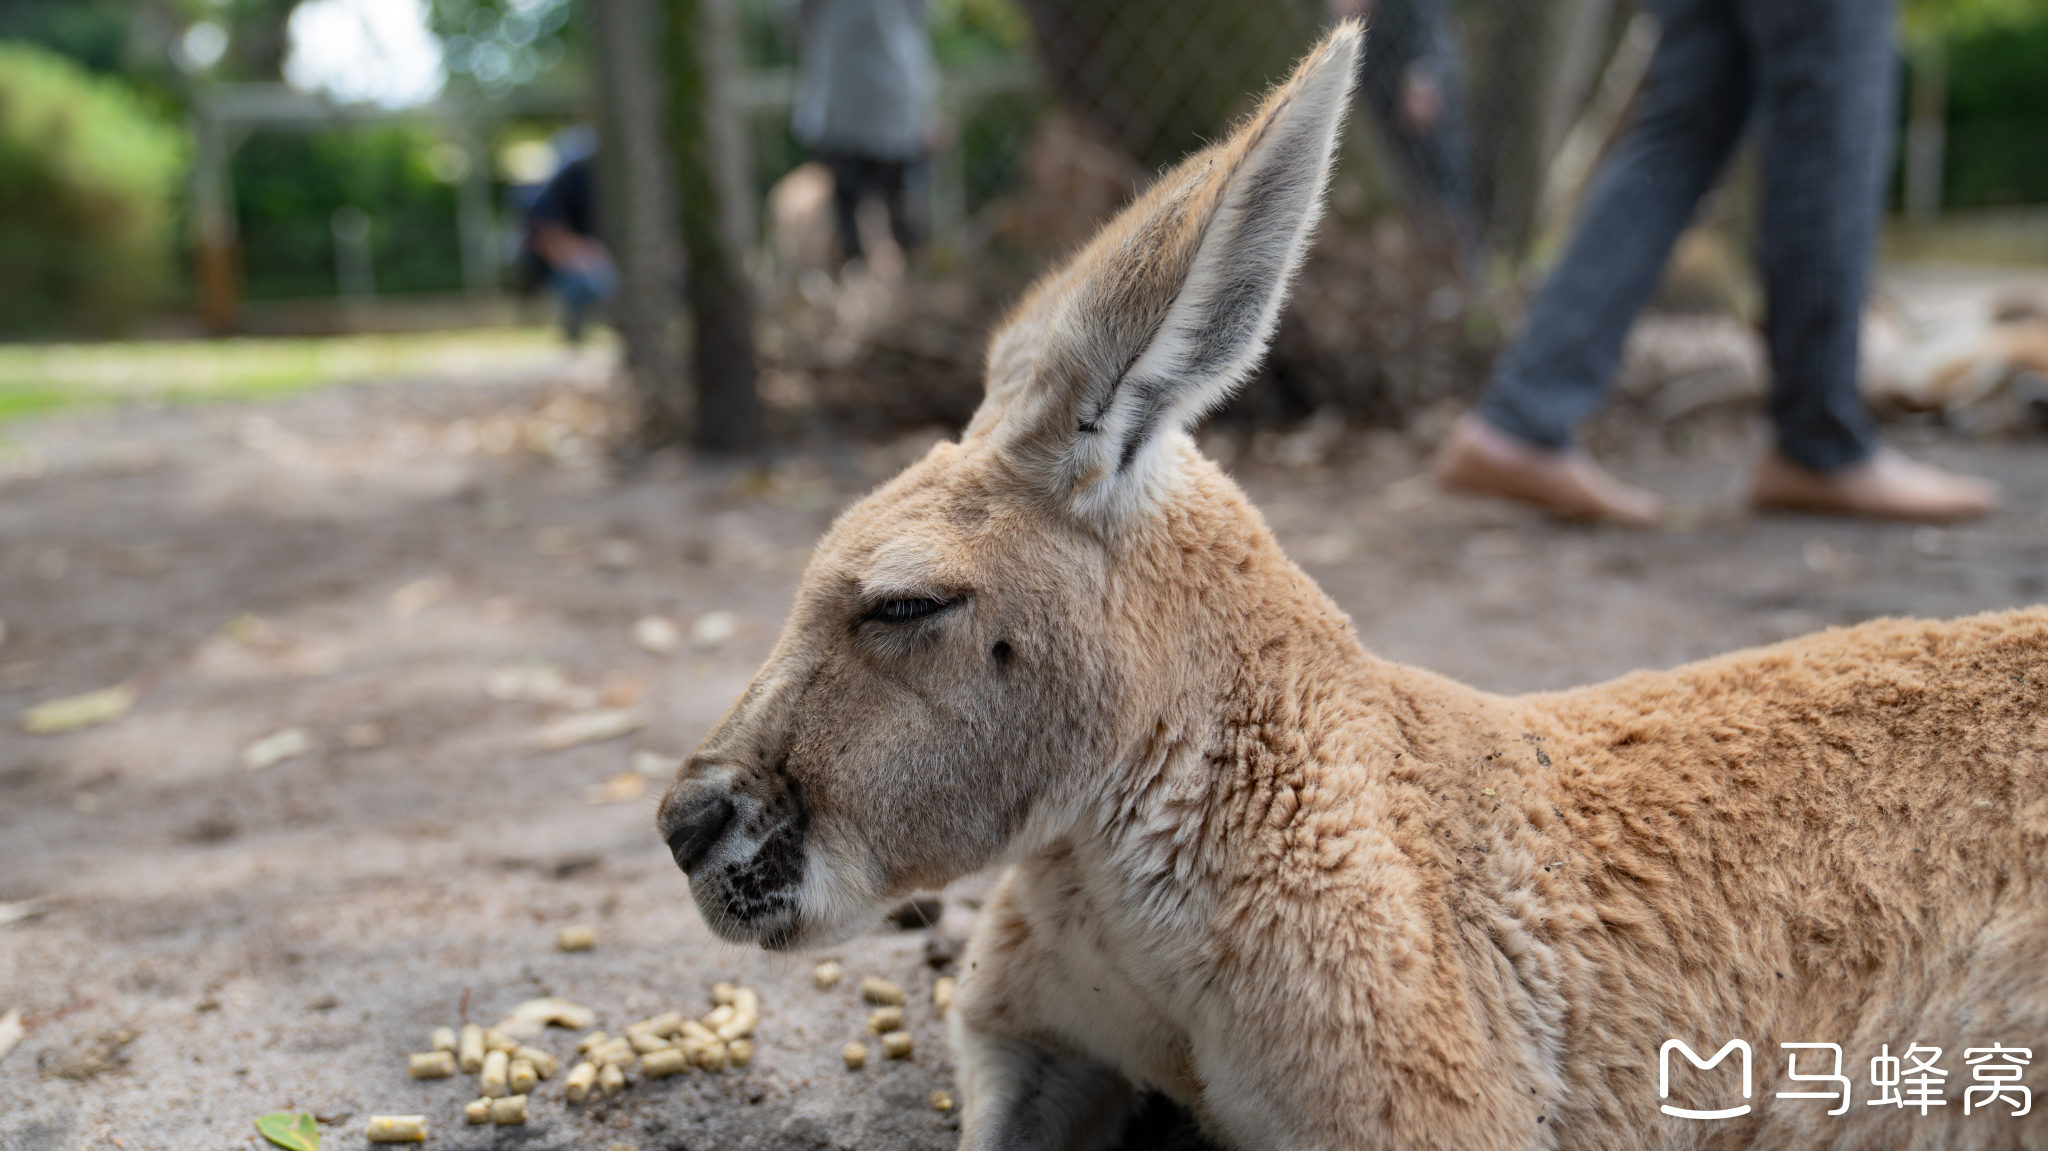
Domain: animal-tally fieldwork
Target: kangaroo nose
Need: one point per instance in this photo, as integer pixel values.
(698, 828)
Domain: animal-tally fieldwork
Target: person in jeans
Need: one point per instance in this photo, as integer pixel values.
(1817, 78)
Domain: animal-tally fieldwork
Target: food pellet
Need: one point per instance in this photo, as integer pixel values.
(509, 1111)
(897, 1045)
(477, 1110)
(664, 1063)
(496, 1040)
(432, 1065)
(746, 1015)
(942, 993)
(666, 1023)
(398, 1129)
(497, 1065)
(544, 1063)
(694, 1030)
(885, 1019)
(646, 1042)
(469, 1050)
(443, 1040)
(719, 1017)
(578, 938)
(712, 1056)
(942, 1101)
(740, 1052)
(592, 1042)
(616, 1051)
(855, 1054)
(723, 994)
(828, 974)
(611, 1080)
(522, 1077)
(581, 1079)
(881, 992)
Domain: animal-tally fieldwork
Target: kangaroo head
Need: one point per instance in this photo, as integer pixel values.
(976, 643)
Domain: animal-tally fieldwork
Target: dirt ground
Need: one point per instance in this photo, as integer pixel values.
(213, 942)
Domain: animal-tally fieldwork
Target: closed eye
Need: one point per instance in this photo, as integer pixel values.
(907, 610)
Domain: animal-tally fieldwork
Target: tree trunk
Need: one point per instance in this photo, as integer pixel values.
(640, 217)
(710, 189)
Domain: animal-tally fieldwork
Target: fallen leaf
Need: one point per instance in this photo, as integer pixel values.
(624, 787)
(655, 765)
(274, 749)
(11, 1031)
(535, 681)
(299, 1132)
(533, 1016)
(77, 711)
(418, 596)
(589, 727)
(713, 629)
(657, 633)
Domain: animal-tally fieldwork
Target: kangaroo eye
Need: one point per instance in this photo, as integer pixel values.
(907, 610)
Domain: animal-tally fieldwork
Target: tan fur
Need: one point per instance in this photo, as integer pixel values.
(1328, 901)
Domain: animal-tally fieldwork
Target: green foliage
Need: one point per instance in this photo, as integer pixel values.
(1925, 20)
(87, 184)
(287, 188)
(291, 1132)
(499, 45)
(1997, 115)
(965, 31)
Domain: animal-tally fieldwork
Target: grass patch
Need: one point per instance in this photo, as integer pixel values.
(39, 379)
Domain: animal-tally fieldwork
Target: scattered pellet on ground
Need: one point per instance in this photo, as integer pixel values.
(881, 992)
(522, 1077)
(496, 1040)
(739, 1052)
(883, 1020)
(855, 1054)
(666, 1023)
(941, 1101)
(658, 634)
(509, 1111)
(275, 748)
(592, 1042)
(664, 1063)
(615, 1052)
(897, 1045)
(611, 1080)
(581, 1079)
(477, 1111)
(470, 1049)
(497, 1067)
(718, 1017)
(712, 1056)
(397, 1129)
(579, 938)
(544, 1063)
(430, 1065)
(828, 974)
(647, 1042)
(746, 1015)
(443, 1039)
(942, 993)
(723, 994)
(533, 1017)
(57, 716)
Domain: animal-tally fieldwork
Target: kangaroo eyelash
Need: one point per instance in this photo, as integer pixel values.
(907, 609)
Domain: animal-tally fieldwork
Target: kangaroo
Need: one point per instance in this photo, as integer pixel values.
(1321, 899)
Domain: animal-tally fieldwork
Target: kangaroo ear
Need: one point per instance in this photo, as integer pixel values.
(1165, 312)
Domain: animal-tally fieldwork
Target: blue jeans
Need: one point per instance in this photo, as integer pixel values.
(1817, 76)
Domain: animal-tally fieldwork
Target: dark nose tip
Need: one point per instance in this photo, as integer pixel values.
(698, 829)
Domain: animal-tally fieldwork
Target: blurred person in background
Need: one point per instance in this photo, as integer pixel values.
(1412, 81)
(562, 240)
(866, 88)
(1817, 78)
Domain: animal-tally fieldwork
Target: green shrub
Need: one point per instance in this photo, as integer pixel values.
(88, 180)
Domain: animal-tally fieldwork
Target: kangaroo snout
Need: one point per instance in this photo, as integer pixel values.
(693, 819)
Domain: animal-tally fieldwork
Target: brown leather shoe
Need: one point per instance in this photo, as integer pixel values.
(1480, 459)
(1885, 486)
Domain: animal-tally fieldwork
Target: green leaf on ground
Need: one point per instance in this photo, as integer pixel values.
(292, 1132)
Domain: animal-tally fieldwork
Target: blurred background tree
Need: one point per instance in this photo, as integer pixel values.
(88, 180)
